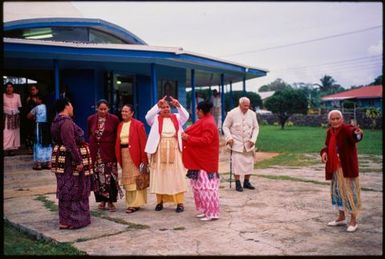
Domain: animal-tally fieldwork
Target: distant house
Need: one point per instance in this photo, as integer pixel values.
(364, 97)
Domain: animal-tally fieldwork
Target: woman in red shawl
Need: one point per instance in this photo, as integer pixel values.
(340, 156)
(102, 128)
(129, 149)
(200, 157)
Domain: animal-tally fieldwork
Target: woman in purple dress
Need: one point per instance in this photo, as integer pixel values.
(73, 185)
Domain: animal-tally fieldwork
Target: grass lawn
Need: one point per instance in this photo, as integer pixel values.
(295, 142)
(297, 139)
(18, 243)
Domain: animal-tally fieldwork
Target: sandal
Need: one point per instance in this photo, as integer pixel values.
(48, 166)
(179, 208)
(131, 210)
(102, 206)
(111, 208)
(37, 167)
(64, 226)
(159, 207)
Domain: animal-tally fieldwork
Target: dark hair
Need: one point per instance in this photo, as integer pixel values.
(132, 109)
(9, 83)
(205, 106)
(61, 104)
(43, 98)
(102, 101)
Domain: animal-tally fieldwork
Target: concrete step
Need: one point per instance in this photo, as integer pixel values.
(18, 163)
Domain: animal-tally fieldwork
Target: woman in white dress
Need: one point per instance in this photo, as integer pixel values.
(164, 145)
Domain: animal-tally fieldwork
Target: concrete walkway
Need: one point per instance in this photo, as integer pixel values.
(280, 217)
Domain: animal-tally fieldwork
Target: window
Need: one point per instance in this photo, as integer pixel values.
(102, 37)
(73, 34)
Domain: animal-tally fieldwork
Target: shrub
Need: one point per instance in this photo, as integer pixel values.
(289, 124)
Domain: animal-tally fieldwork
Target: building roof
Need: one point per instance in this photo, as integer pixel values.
(366, 92)
(99, 24)
(208, 69)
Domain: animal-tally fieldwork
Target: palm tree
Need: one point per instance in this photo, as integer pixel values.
(328, 86)
(327, 83)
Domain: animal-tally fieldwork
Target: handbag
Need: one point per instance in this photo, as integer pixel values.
(143, 179)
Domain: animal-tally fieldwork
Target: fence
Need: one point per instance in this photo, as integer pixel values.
(320, 119)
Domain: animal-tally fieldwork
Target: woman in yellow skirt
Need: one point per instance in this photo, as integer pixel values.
(129, 148)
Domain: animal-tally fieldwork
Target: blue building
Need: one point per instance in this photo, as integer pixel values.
(95, 59)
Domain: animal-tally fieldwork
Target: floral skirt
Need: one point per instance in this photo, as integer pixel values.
(345, 192)
(105, 181)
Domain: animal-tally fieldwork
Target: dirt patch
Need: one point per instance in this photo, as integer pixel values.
(259, 156)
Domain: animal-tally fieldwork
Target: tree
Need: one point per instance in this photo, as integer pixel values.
(311, 92)
(328, 86)
(377, 81)
(286, 102)
(255, 99)
(373, 114)
(276, 85)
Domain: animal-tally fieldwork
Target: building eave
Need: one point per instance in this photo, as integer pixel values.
(169, 56)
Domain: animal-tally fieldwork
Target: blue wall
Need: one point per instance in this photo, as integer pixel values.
(81, 86)
(143, 98)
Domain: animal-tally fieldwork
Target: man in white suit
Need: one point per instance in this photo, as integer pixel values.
(241, 131)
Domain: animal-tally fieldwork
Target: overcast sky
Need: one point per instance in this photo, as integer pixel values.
(295, 41)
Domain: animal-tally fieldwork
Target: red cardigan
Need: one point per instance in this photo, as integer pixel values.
(346, 149)
(107, 141)
(201, 149)
(136, 143)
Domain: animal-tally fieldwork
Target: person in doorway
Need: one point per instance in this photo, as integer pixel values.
(164, 146)
(341, 167)
(11, 114)
(28, 125)
(241, 131)
(129, 148)
(217, 108)
(73, 184)
(42, 148)
(201, 158)
(198, 98)
(101, 128)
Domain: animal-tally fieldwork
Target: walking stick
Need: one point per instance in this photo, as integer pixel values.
(231, 164)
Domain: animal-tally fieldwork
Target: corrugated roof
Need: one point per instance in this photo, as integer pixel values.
(366, 92)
